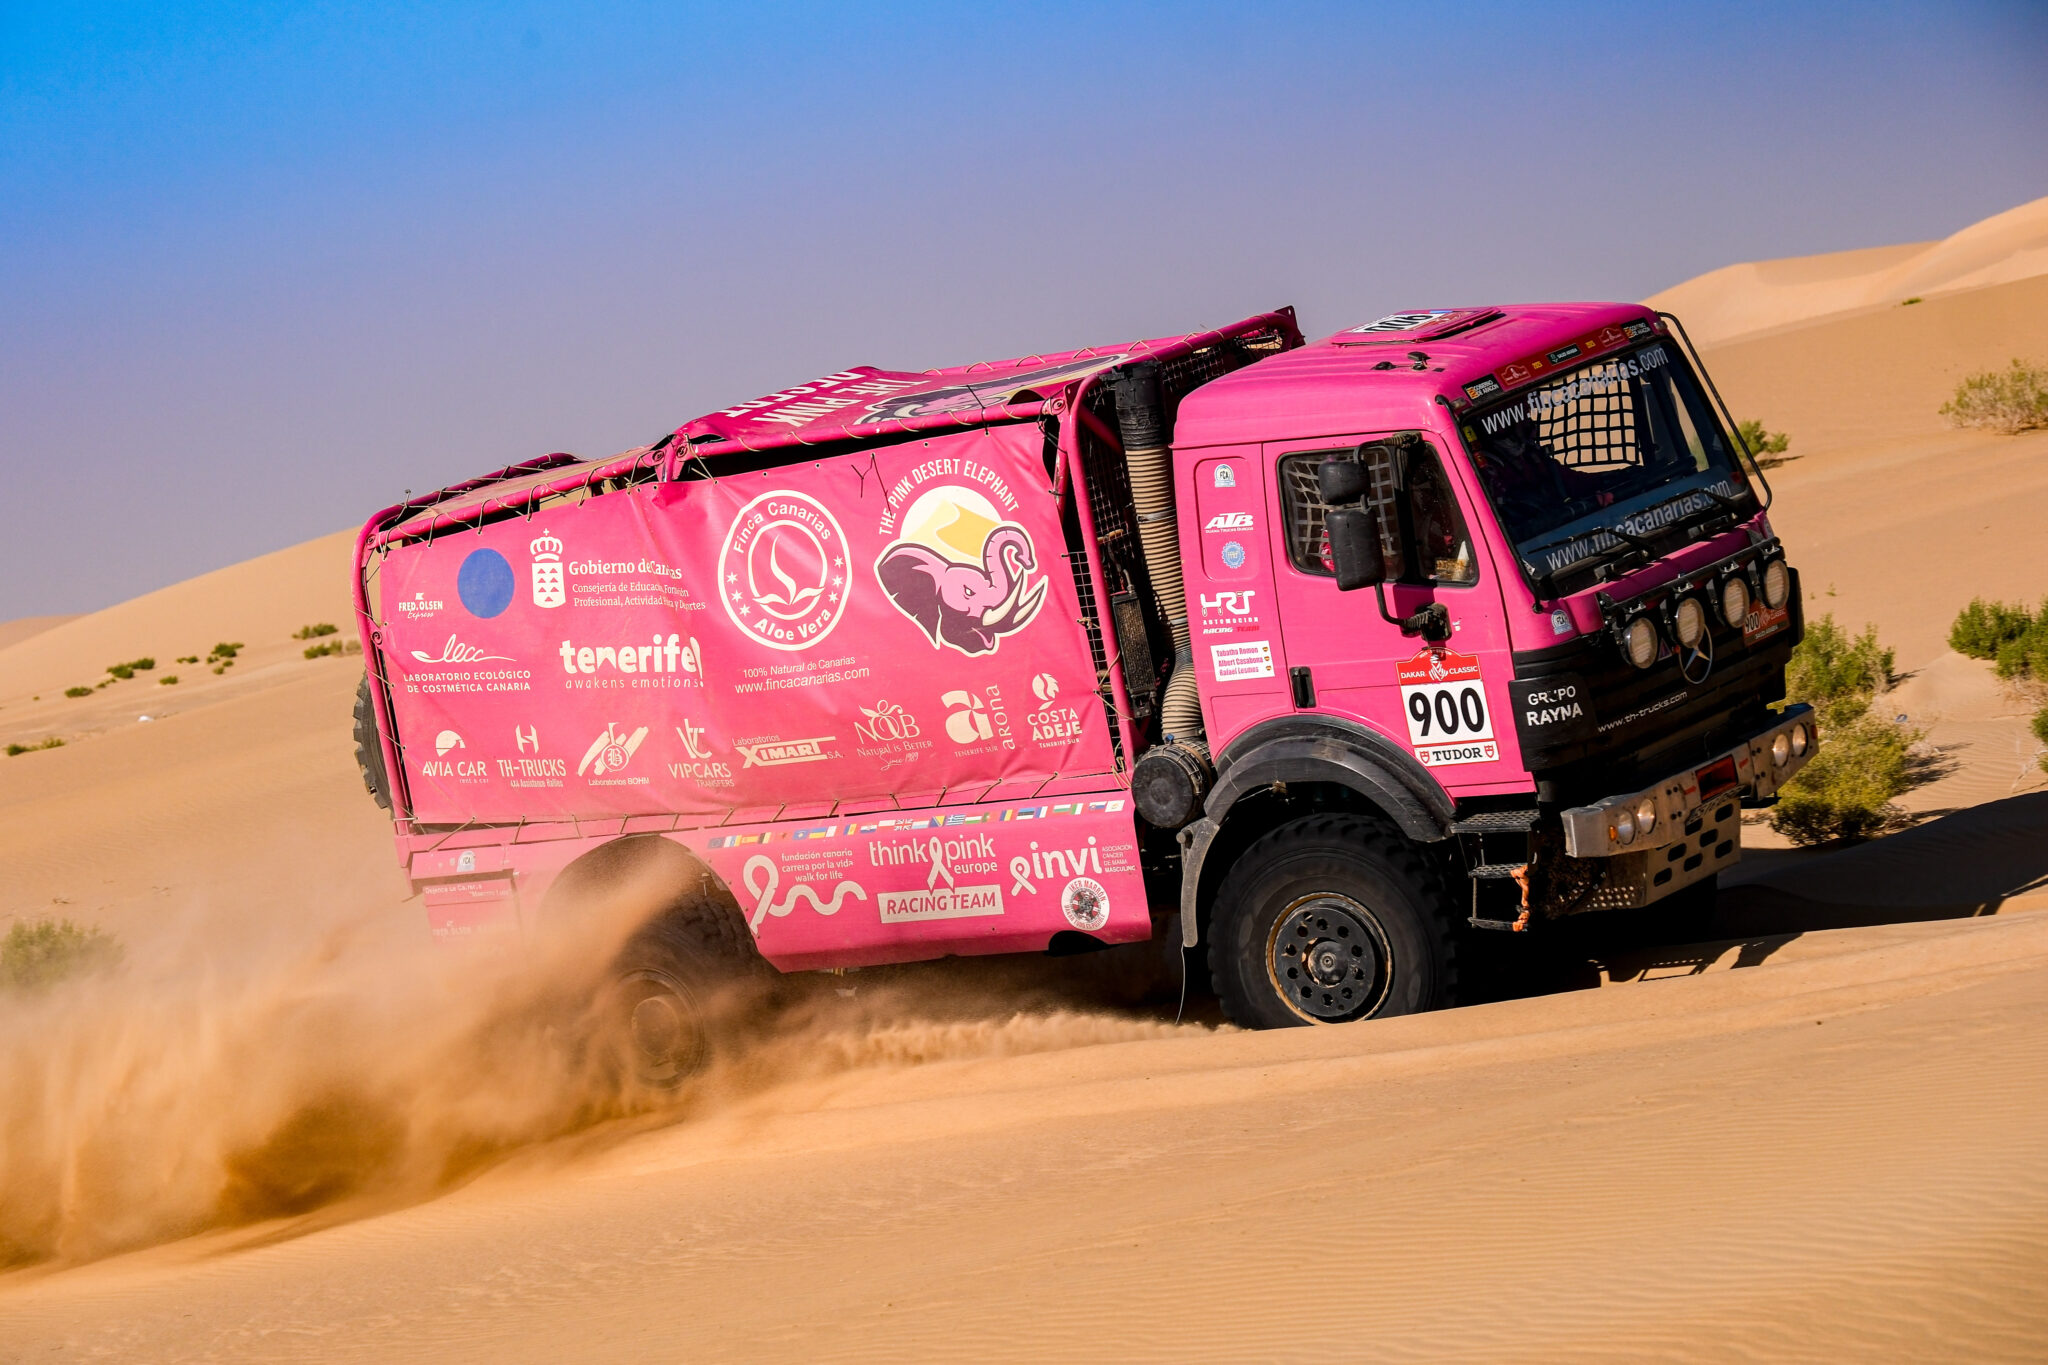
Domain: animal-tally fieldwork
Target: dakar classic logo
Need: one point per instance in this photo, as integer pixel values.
(961, 572)
(782, 572)
(549, 588)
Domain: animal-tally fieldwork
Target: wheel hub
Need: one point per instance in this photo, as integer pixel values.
(1328, 959)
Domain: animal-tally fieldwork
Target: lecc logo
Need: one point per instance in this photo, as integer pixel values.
(782, 573)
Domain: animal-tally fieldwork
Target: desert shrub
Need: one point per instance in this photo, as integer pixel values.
(167, 680)
(1982, 627)
(131, 667)
(1835, 674)
(41, 953)
(1845, 791)
(315, 632)
(188, 658)
(2008, 400)
(121, 670)
(14, 750)
(1768, 447)
(323, 650)
(224, 651)
(78, 691)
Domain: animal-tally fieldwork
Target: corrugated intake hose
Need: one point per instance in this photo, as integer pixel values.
(1141, 423)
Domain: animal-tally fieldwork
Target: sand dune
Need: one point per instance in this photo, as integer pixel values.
(1758, 295)
(1821, 1135)
(21, 628)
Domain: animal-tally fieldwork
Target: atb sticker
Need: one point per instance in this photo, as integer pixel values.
(1445, 702)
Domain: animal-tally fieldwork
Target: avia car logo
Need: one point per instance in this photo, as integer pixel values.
(445, 741)
(782, 573)
(774, 753)
(968, 722)
(455, 652)
(527, 738)
(885, 721)
(965, 575)
(484, 583)
(1230, 603)
(549, 588)
(1229, 521)
(610, 751)
(1045, 687)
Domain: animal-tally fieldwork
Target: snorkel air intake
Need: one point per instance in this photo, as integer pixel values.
(1169, 779)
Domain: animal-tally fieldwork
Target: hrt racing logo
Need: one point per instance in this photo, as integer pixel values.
(549, 588)
(1224, 612)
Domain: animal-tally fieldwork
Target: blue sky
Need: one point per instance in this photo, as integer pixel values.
(261, 270)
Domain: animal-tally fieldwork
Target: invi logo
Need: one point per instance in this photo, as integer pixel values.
(549, 587)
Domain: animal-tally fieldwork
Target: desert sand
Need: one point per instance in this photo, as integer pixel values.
(291, 1129)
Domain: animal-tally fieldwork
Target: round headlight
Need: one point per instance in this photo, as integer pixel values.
(1689, 620)
(1735, 600)
(1781, 749)
(1642, 642)
(1624, 827)
(1646, 814)
(1799, 741)
(1777, 584)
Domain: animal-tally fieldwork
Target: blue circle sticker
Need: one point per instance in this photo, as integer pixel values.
(1233, 555)
(484, 583)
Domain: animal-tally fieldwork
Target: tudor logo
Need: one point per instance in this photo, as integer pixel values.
(782, 573)
(1229, 521)
(549, 590)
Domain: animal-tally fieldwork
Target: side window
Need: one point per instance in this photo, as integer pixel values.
(1425, 514)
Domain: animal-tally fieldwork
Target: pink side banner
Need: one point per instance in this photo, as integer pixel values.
(900, 623)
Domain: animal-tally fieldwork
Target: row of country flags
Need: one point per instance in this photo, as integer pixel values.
(894, 824)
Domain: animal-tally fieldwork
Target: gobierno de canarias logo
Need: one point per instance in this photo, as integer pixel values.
(782, 572)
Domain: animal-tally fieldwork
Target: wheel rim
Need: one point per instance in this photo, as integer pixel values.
(1327, 958)
(665, 1037)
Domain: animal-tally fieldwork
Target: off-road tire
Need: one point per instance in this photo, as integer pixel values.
(681, 984)
(369, 750)
(1385, 930)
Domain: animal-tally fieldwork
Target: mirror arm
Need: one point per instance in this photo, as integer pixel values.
(1432, 622)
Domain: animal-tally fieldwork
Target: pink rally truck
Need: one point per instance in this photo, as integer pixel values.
(1319, 655)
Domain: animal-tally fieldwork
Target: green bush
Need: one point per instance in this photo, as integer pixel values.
(78, 691)
(1845, 791)
(167, 680)
(44, 952)
(188, 658)
(1982, 627)
(2009, 400)
(14, 750)
(315, 632)
(321, 651)
(224, 651)
(1768, 447)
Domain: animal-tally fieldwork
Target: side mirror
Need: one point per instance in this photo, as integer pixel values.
(1342, 481)
(1355, 547)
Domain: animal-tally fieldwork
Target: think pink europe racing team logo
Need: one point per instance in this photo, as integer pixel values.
(782, 573)
(962, 572)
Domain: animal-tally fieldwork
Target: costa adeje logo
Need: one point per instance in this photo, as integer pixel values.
(965, 575)
(549, 588)
(1052, 725)
(782, 572)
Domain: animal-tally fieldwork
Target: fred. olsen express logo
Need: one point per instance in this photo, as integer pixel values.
(782, 572)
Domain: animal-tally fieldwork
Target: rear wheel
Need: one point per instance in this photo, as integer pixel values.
(369, 749)
(1328, 919)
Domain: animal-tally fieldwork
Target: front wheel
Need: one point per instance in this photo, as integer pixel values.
(1328, 919)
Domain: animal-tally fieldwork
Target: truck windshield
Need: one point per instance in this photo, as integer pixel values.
(1627, 444)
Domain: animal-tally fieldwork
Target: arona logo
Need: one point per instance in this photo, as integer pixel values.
(782, 573)
(549, 588)
(967, 722)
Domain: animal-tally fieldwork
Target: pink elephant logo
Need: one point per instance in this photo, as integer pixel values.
(965, 578)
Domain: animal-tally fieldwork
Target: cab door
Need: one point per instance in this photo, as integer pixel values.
(1446, 705)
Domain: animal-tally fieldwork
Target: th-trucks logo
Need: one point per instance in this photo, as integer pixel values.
(527, 771)
(782, 572)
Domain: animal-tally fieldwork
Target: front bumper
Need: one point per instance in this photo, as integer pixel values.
(1697, 829)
